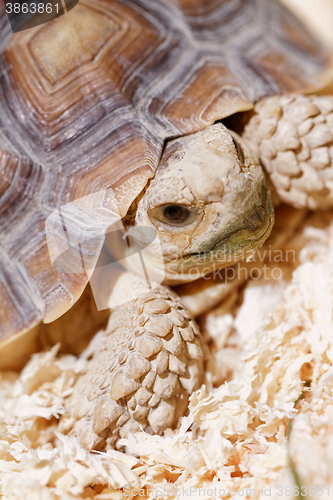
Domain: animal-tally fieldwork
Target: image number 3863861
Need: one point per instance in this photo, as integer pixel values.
(25, 14)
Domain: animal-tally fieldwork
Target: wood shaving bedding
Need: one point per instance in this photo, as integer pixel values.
(266, 431)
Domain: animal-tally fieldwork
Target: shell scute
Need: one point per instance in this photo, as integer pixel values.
(90, 114)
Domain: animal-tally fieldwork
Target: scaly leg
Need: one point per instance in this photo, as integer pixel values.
(293, 136)
(141, 372)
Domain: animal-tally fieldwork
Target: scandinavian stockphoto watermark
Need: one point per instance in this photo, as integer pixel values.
(264, 264)
(25, 14)
(92, 226)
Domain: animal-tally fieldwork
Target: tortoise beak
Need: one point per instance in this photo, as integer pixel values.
(247, 234)
(238, 241)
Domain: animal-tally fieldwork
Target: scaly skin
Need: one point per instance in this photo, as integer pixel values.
(150, 359)
(293, 135)
(225, 192)
(142, 372)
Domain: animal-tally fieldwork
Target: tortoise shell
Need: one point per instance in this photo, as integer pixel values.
(87, 102)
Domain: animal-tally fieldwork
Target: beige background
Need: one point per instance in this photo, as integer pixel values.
(317, 14)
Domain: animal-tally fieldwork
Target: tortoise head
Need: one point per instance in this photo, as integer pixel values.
(208, 202)
(88, 100)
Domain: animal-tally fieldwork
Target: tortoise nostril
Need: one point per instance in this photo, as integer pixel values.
(239, 149)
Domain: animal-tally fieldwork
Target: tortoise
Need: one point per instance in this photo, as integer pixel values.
(118, 111)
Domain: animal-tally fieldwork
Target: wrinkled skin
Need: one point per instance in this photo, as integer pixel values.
(210, 207)
(208, 202)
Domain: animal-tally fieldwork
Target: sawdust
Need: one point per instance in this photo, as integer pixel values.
(269, 427)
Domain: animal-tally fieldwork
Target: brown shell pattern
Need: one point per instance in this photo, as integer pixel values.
(87, 101)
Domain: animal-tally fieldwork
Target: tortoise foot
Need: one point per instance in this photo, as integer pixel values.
(141, 373)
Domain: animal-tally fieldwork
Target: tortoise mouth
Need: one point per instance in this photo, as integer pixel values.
(242, 237)
(238, 243)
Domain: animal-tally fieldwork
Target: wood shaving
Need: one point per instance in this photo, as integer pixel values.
(235, 437)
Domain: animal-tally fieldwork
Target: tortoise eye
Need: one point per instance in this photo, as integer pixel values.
(174, 215)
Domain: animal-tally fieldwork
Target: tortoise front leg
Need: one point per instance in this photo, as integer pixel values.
(293, 136)
(142, 370)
